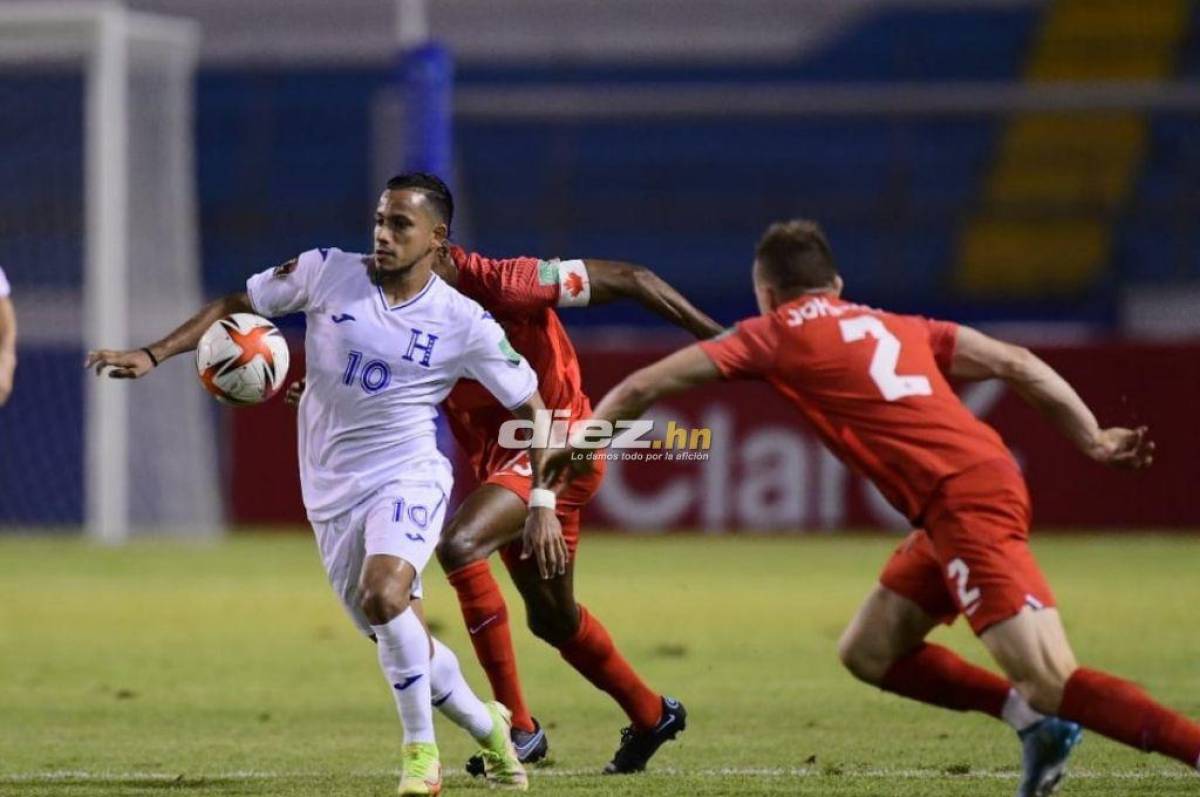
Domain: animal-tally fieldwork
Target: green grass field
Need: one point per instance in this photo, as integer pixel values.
(230, 669)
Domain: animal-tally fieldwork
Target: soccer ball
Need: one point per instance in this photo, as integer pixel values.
(242, 359)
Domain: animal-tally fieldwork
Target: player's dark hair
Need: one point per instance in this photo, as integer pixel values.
(436, 191)
(795, 256)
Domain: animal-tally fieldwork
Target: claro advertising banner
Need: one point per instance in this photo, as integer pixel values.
(759, 468)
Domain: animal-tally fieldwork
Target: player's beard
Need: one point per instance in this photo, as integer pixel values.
(381, 277)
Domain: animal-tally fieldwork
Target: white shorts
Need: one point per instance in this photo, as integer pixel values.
(403, 519)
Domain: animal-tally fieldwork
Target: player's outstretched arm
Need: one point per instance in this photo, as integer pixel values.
(977, 357)
(134, 363)
(612, 280)
(673, 374)
(8, 348)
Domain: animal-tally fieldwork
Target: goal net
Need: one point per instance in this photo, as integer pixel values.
(98, 238)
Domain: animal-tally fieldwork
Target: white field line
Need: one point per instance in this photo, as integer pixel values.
(550, 772)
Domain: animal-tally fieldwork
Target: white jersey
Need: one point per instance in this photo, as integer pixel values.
(377, 373)
(5, 288)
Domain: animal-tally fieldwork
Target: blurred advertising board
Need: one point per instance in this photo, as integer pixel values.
(766, 472)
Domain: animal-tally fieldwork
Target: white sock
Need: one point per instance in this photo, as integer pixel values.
(404, 658)
(453, 696)
(1018, 713)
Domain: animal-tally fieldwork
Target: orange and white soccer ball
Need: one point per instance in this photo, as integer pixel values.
(242, 359)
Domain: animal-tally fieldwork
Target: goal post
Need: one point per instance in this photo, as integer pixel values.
(412, 119)
(117, 86)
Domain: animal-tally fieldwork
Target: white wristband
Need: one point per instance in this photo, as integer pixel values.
(541, 497)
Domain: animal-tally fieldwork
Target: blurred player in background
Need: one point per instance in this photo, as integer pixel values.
(874, 386)
(8, 340)
(522, 293)
(386, 341)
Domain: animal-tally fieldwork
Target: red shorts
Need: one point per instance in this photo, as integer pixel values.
(973, 556)
(516, 475)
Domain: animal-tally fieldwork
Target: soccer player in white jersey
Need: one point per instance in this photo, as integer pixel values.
(8, 340)
(386, 341)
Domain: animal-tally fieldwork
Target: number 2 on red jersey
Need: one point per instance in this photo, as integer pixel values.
(892, 385)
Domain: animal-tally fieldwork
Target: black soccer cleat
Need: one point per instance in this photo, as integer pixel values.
(638, 747)
(532, 746)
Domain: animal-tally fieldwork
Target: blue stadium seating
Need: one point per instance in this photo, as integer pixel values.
(284, 164)
(1158, 239)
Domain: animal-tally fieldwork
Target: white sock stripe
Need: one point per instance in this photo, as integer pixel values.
(455, 698)
(1018, 713)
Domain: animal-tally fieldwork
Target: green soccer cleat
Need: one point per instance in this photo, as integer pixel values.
(501, 766)
(422, 770)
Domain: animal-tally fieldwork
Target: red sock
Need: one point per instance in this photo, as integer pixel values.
(486, 616)
(1120, 710)
(592, 652)
(936, 675)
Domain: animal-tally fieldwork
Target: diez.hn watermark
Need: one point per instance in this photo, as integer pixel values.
(596, 438)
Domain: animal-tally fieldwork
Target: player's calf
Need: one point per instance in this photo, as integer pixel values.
(551, 612)
(553, 622)
(1032, 649)
(1043, 688)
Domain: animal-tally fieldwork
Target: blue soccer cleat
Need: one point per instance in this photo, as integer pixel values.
(1046, 746)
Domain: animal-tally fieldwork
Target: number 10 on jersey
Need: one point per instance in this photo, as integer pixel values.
(375, 374)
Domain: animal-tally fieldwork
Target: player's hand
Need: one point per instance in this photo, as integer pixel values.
(543, 540)
(294, 392)
(121, 364)
(1123, 448)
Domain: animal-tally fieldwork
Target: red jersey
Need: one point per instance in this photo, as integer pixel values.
(872, 384)
(521, 294)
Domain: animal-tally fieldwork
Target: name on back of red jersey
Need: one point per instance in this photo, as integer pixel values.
(819, 307)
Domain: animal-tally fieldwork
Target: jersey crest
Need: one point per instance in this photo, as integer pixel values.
(422, 342)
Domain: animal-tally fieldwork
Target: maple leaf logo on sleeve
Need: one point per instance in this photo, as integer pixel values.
(574, 289)
(574, 283)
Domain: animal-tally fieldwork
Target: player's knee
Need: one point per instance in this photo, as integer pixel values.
(459, 546)
(455, 552)
(863, 659)
(554, 626)
(382, 603)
